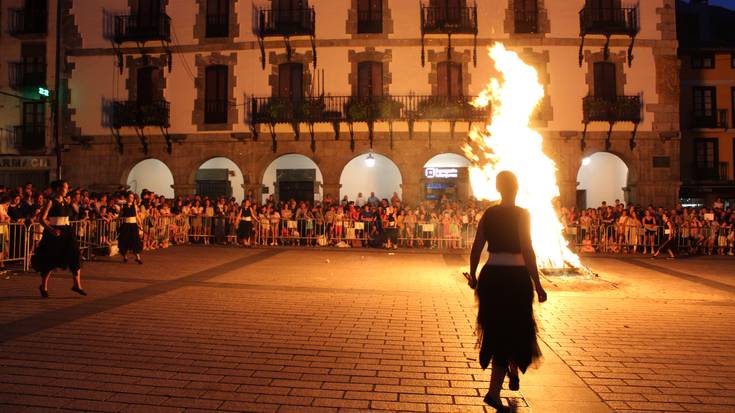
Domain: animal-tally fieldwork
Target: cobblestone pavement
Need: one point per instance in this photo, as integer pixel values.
(200, 329)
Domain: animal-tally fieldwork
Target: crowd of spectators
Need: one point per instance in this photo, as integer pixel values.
(369, 221)
(632, 229)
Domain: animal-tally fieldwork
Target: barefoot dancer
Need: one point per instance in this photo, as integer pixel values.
(505, 322)
(58, 247)
(129, 238)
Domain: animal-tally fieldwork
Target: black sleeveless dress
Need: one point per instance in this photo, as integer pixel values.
(58, 251)
(505, 322)
(245, 227)
(128, 238)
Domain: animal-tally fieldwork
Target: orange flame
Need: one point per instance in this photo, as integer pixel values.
(509, 143)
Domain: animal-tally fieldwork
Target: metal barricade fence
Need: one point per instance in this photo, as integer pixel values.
(13, 245)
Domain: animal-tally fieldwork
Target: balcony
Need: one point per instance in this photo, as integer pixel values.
(28, 21)
(330, 109)
(609, 21)
(619, 109)
(444, 20)
(718, 120)
(30, 137)
(24, 75)
(285, 22)
(136, 114)
(526, 21)
(142, 28)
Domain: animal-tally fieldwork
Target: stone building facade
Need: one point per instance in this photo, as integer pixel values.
(612, 80)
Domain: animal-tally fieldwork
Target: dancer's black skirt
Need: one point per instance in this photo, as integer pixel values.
(244, 229)
(128, 239)
(505, 322)
(57, 251)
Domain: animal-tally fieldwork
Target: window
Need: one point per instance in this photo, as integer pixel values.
(603, 11)
(370, 79)
(370, 16)
(149, 85)
(34, 125)
(703, 61)
(449, 79)
(215, 94)
(605, 81)
(149, 15)
(289, 13)
(35, 16)
(33, 56)
(526, 16)
(448, 11)
(705, 108)
(218, 18)
(706, 158)
(291, 80)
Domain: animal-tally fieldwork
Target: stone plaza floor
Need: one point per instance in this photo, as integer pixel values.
(199, 329)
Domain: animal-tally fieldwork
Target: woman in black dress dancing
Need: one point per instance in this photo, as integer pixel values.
(58, 247)
(129, 238)
(245, 223)
(505, 321)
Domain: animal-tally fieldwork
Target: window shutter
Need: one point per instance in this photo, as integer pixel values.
(442, 78)
(455, 79)
(290, 80)
(376, 81)
(605, 81)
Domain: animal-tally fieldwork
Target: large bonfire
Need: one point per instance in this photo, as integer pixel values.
(508, 143)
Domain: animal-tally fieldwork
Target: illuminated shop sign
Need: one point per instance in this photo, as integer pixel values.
(441, 173)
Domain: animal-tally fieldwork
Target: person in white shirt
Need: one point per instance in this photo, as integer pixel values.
(360, 201)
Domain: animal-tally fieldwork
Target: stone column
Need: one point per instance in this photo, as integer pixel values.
(256, 189)
(332, 189)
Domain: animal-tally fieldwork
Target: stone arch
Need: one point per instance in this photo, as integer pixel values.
(384, 179)
(237, 181)
(154, 172)
(266, 171)
(605, 178)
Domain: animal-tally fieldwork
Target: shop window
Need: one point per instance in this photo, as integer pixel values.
(291, 80)
(449, 79)
(218, 18)
(370, 16)
(216, 94)
(370, 79)
(605, 81)
(703, 61)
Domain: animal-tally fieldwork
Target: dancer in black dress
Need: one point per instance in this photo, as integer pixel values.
(505, 322)
(129, 238)
(58, 247)
(245, 223)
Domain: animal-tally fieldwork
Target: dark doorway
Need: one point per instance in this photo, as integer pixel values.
(300, 191)
(581, 199)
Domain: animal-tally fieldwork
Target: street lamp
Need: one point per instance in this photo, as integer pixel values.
(370, 160)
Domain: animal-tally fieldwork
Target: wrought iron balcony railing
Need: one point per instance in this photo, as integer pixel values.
(26, 74)
(28, 21)
(609, 21)
(448, 20)
(370, 21)
(619, 109)
(218, 25)
(136, 114)
(714, 173)
(526, 21)
(717, 120)
(142, 28)
(332, 109)
(285, 22)
(30, 137)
